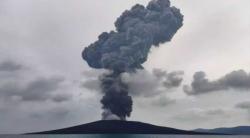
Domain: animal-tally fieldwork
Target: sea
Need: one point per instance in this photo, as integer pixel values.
(120, 136)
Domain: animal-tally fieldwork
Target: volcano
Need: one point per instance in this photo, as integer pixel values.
(120, 127)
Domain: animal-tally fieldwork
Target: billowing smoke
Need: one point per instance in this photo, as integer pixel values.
(237, 80)
(108, 115)
(116, 97)
(125, 49)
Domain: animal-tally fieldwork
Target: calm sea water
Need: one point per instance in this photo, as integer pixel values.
(116, 136)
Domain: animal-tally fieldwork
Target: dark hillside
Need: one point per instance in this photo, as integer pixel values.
(119, 127)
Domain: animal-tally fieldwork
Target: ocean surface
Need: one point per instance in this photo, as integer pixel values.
(117, 136)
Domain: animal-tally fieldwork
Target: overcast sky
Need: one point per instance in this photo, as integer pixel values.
(44, 83)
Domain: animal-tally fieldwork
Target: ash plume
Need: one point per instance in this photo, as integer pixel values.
(127, 48)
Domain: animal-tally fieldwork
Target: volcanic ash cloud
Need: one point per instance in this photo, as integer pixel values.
(127, 48)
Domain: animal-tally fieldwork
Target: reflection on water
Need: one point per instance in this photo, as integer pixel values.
(116, 136)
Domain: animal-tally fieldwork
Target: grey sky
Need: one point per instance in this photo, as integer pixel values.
(44, 39)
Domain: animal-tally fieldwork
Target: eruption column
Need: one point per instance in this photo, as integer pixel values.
(127, 48)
